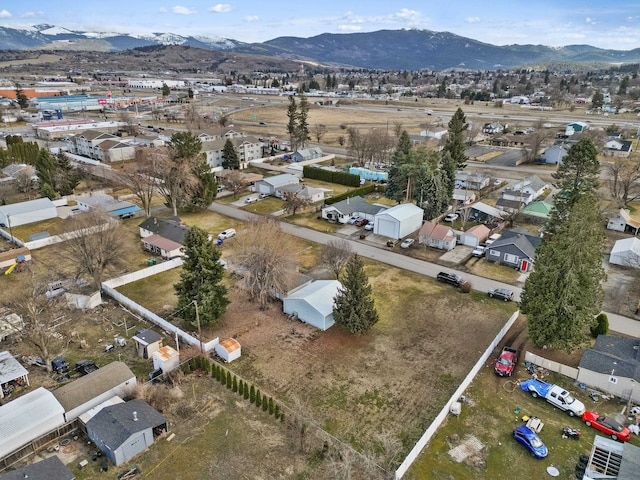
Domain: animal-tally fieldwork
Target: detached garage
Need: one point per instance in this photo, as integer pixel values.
(124, 430)
(313, 303)
(228, 350)
(24, 213)
(399, 221)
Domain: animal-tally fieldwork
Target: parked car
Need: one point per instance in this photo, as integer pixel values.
(369, 227)
(451, 278)
(492, 239)
(250, 199)
(60, 365)
(478, 251)
(228, 233)
(530, 440)
(506, 362)
(84, 367)
(502, 293)
(263, 195)
(452, 217)
(497, 182)
(607, 425)
(407, 243)
(352, 220)
(361, 222)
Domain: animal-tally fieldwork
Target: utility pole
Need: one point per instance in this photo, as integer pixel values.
(10, 230)
(195, 302)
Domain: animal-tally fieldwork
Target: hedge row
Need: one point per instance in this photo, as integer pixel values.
(352, 193)
(242, 388)
(341, 178)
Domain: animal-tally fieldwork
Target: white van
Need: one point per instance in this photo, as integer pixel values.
(228, 233)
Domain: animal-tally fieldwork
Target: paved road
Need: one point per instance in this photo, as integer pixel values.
(617, 323)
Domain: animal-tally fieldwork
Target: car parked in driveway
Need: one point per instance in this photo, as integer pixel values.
(452, 217)
(530, 440)
(406, 243)
(250, 200)
(501, 293)
(85, 367)
(478, 251)
(450, 278)
(361, 222)
(607, 425)
(369, 227)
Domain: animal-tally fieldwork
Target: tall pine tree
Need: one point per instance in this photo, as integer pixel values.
(354, 307)
(563, 294)
(201, 280)
(454, 156)
(230, 159)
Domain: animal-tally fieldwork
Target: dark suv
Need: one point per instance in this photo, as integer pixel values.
(451, 278)
(84, 367)
(60, 365)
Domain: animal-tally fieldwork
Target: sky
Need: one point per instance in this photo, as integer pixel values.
(610, 24)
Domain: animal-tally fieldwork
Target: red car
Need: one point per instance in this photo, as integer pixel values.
(506, 362)
(361, 222)
(606, 425)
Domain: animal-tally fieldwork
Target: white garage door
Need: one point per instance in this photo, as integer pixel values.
(387, 228)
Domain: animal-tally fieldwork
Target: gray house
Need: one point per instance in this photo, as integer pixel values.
(124, 430)
(342, 211)
(554, 155)
(612, 365)
(313, 303)
(269, 185)
(51, 468)
(513, 249)
(306, 154)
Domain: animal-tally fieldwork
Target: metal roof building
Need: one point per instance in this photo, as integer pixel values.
(23, 213)
(313, 303)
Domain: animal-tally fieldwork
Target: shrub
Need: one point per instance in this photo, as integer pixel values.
(252, 394)
(258, 398)
(240, 387)
(341, 178)
(465, 287)
(277, 411)
(352, 193)
(246, 391)
(271, 406)
(601, 326)
(229, 380)
(234, 384)
(223, 377)
(187, 368)
(265, 403)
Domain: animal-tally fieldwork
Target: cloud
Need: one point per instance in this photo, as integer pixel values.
(5, 14)
(590, 21)
(251, 18)
(472, 19)
(39, 13)
(349, 28)
(406, 14)
(221, 8)
(180, 10)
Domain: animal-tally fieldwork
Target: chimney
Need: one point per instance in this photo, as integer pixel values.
(135, 416)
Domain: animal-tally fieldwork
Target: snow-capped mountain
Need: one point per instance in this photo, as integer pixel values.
(51, 36)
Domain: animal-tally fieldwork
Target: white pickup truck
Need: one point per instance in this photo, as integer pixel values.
(555, 395)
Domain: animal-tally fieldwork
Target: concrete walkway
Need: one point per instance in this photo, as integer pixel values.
(617, 323)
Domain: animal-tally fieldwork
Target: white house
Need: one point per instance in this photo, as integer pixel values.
(526, 191)
(437, 236)
(342, 211)
(269, 185)
(626, 252)
(23, 213)
(399, 221)
(313, 195)
(624, 222)
(313, 303)
(554, 155)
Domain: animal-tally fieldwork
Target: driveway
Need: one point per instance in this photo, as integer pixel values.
(617, 323)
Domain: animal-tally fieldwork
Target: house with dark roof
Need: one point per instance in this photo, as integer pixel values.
(51, 468)
(617, 147)
(509, 206)
(342, 211)
(612, 365)
(163, 236)
(527, 191)
(437, 236)
(124, 430)
(147, 342)
(513, 249)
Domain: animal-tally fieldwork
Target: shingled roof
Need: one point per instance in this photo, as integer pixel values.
(169, 228)
(613, 353)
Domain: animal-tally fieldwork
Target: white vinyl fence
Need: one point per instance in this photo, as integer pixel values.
(109, 288)
(444, 413)
(551, 365)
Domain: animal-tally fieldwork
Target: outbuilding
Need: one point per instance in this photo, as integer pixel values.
(399, 221)
(147, 341)
(23, 213)
(313, 303)
(10, 369)
(228, 350)
(84, 393)
(626, 252)
(269, 185)
(27, 418)
(166, 358)
(124, 430)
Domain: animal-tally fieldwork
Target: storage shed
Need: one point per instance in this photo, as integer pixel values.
(166, 358)
(24, 213)
(81, 395)
(10, 368)
(228, 349)
(313, 303)
(27, 418)
(124, 430)
(147, 342)
(399, 221)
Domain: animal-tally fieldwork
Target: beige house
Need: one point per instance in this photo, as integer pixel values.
(437, 236)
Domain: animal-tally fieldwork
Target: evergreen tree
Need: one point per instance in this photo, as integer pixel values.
(563, 293)
(207, 187)
(45, 166)
(201, 280)
(597, 101)
(229, 379)
(454, 156)
(252, 394)
(302, 126)
(246, 391)
(234, 385)
(271, 408)
(265, 403)
(292, 124)
(258, 398)
(230, 160)
(240, 387)
(21, 98)
(576, 175)
(166, 91)
(65, 177)
(396, 186)
(354, 307)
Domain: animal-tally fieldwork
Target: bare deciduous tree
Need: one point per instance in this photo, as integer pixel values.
(623, 180)
(24, 182)
(177, 179)
(266, 255)
(96, 245)
(319, 130)
(140, 177)
(335, 255)
(235, 182)
(293, 202)
(129, 125)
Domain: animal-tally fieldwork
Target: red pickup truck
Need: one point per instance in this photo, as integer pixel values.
(507, 361)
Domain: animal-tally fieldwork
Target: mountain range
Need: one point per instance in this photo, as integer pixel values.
(409, 49)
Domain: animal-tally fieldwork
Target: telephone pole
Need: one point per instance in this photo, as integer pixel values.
(195, 302)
